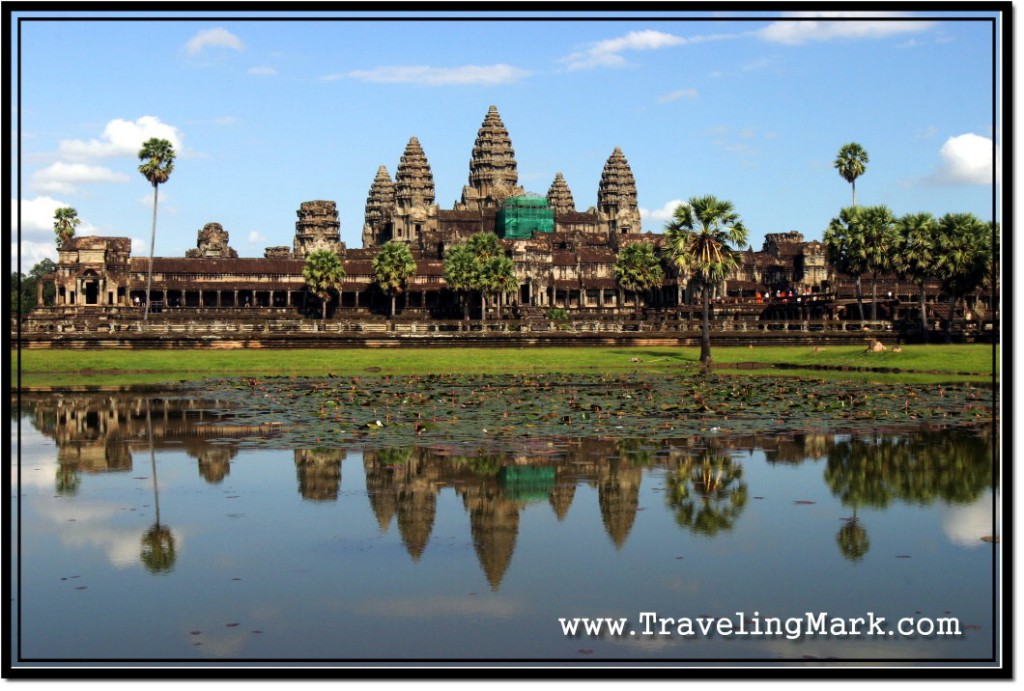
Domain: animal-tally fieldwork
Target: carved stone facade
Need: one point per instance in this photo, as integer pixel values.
(212, 243)
(317, 228)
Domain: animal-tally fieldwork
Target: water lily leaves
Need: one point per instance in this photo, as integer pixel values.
(421, 409)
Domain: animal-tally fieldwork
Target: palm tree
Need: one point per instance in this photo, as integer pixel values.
(915, 256)
(393, 266)
(158, 549)
(323, 273)
(879, 246)
(157, 156)
(964, 258)
(701, 237)
(851, 162)
(498, 277)
(485, 275)
(844, 248)
(637, 268)
(460, 273)
(65, 220)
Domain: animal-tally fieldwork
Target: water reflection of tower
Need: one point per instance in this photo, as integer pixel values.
(618, 492)
(404, 482)
(319, 473)
(494, 525)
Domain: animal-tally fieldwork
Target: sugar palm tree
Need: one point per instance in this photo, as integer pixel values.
(701, 238)
(879, 246)
(498, 277)
(485, 276)
(915, 256)
(460, 273)
(844, 248)
(157, 156)
(851, 162)
(637, 268)
(65, 220)
(393, 266)
(324, 273)
(964, 258)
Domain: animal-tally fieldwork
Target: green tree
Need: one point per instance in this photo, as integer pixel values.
(460, 273)
(65, 220)
(324, 273)
(393, 266)
(844, 248)
(157, 156)
(701, 239)
(638, 268)
(917, 245)
(497, 277)
(879, 245)
(964, 259)
(23, 288)
(707, 494)
(851, 162)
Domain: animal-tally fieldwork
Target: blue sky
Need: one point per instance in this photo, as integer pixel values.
(266, 114)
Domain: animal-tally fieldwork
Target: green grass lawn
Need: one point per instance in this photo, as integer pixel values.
(918, 364)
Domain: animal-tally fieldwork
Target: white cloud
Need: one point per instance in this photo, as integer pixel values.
(966, 160)
(263, 71)
(36, 214)
(31, 254)
(255, 237)
(64, 178)
(801, 27)
(663, 214)
(213, 37)
(608, 53)
(676, 95)
(122, 138)
(437, 76)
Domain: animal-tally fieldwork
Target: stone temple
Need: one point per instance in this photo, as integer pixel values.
(564, 258)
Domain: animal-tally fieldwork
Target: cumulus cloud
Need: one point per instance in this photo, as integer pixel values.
(663, 214)
(65, 178)
(802, 27)
(255, 237)
(122, 138)
(437, 76)
(678, 94)
(965, 160)
(36, 214)
(207, 38)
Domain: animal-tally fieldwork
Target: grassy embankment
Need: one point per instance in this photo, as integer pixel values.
(916, 364)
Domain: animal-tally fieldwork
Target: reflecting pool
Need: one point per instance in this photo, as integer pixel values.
(154, 529)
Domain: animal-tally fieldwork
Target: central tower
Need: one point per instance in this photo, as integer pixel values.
(492, 169)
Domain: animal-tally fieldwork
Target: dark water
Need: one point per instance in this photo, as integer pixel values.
(149, 530)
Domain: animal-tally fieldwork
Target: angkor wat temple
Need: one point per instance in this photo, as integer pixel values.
(564, 258)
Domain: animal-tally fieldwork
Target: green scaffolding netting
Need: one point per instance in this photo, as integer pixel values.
(520, 217)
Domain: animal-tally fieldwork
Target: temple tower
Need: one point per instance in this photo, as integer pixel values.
(492, 169)
(380, 203)
(415, 212)
(560, 197)
(617, 208)
(318, 228)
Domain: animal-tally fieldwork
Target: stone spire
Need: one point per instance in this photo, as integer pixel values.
(560, 197)
(415, 212)
(616, 196)
(380, 203)
(492, 169)
(414, 183)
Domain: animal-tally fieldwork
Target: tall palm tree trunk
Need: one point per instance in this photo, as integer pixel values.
(705, 329)
(874, 297)
(393, 296)
(860, 299)
(152, 245)
(922, 306)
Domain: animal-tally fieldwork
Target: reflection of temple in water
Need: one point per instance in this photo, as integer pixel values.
(99, 433)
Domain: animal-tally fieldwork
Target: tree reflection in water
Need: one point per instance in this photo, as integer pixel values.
(158, 551)
(707, 492)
